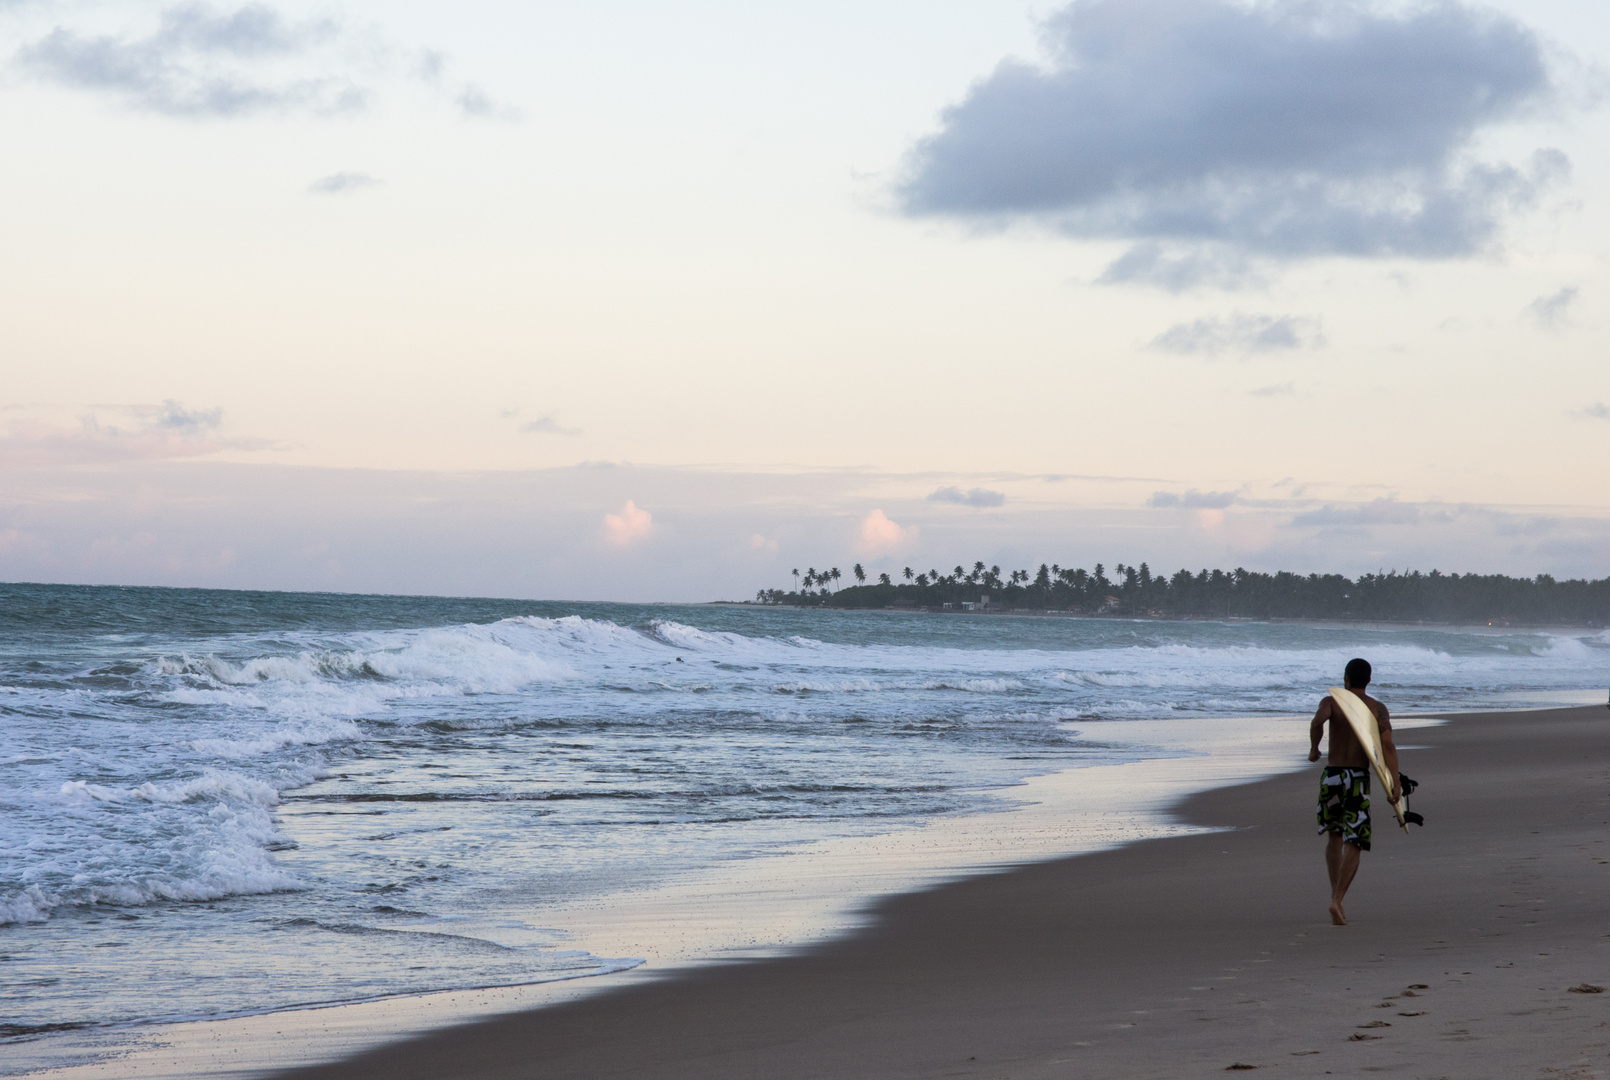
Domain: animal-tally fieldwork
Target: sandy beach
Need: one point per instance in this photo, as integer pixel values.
(1470, 947)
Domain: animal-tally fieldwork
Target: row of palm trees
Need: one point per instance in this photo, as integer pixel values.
(825, 578)
(989, 577)
(1389, 596)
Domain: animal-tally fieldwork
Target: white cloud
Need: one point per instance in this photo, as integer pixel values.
(342, 183)
(1376, 512)
(1284, 389)
(757, 542)
(1193, 499)
(1553, 312)
(628, 526)
(472, 101)
(1210, 133)
(978, 498)
(37, 438)
(880, 536)
(201, 61)
(1240, 333)
(547, 425)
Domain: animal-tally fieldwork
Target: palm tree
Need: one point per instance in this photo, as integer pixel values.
(908, 573)
(796, 579)
(860, 574)
(835, 575)
(810, 577)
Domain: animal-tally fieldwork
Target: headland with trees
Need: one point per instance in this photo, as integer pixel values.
(1135, 592)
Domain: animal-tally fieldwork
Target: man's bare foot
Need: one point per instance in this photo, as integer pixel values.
(1338, 917)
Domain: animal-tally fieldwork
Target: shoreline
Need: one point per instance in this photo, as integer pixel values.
(1105, 990)
(1477, 948)
(752, 910)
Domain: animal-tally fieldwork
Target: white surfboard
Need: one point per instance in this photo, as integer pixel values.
(1368, 730)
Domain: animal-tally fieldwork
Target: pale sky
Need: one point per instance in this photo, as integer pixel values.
(659, 301)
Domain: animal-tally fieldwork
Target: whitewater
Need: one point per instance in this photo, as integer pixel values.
(217, 803)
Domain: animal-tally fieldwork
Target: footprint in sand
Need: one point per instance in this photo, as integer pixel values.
(1375, 1024)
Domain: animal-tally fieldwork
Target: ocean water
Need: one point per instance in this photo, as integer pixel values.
(217, 803)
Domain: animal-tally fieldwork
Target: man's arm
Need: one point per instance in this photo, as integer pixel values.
(1316, 728)
(1389, 752)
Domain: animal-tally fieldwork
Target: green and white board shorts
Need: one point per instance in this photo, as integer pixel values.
(1344, 804)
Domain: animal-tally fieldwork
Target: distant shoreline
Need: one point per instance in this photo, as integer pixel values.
(1135, 592)
(1295, 620)
(840, 601)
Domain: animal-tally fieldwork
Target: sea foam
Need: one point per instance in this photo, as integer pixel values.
(311, 792)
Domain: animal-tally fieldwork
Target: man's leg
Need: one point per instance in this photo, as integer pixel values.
(1341, 859)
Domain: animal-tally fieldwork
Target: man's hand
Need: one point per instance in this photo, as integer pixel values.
(1397, 790)
(1316, 728)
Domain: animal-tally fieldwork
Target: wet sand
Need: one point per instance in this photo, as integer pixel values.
(1176, 957)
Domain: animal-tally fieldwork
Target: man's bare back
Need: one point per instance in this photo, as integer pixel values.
(1345, 749)
(1344, 799)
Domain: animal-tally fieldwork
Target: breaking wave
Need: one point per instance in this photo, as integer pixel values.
(338, 780)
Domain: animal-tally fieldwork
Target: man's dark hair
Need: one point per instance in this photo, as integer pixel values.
(1357, 673)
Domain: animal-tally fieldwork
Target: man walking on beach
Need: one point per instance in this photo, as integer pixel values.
(1344, 789)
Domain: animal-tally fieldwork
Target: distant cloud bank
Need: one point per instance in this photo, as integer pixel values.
(104, 510)
(1210, 133)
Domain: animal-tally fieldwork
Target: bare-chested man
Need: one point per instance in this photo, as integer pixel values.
(1344, 790)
